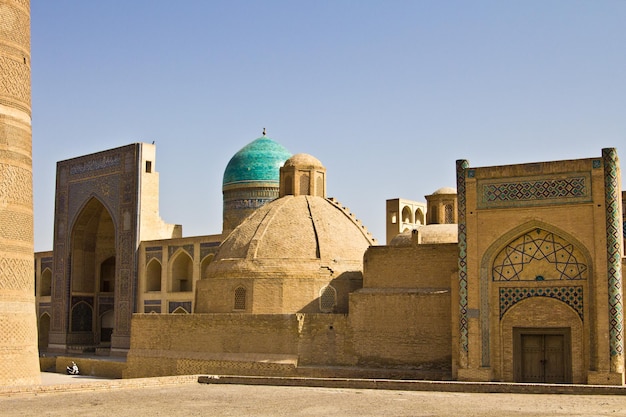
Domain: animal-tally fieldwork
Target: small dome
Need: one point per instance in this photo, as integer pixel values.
(260, 160)
(304, 160)
(403, 239)
(445, 190)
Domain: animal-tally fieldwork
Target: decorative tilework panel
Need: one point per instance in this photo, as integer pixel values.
(105, 304)
(208, 248)
(572, 296)
(98, 162)
(187, 248)
(539, 256)
(154, 255)
(173, 305)
(533, 191)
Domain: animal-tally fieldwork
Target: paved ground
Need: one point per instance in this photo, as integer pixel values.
(51, 378)
(194, 399)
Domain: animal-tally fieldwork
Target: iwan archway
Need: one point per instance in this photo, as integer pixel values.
(92, 277)
(535, 302)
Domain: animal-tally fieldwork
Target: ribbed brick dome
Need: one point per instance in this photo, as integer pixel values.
(295, 228)
(284, 256)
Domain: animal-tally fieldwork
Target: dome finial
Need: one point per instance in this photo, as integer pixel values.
(263, 131)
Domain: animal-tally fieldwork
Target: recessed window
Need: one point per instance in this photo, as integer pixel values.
(449, 214)
(240, 299)
(328, 299)
(148, 166)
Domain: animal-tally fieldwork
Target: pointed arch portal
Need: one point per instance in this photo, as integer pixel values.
(544, 270)
(92, 274)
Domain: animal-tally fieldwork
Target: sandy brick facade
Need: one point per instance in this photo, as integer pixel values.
(534, 256)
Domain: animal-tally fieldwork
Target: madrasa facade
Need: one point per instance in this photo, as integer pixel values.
(514, 275)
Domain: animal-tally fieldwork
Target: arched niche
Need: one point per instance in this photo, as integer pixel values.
(107, 275)
(153, 275)
(407, 215)
(44, 331)
(107, 325)
(45, 288)
(92, 243)
(205, 264)
(181, 272)
(82, 317)
(419, 216)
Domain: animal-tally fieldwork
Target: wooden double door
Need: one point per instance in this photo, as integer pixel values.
(542, 356)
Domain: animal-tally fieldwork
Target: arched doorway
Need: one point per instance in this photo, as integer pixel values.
(44, 331)
(92, 275)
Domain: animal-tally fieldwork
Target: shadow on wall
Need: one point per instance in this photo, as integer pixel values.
(334, 297)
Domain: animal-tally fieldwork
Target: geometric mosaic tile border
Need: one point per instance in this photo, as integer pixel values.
(186, 248)
(461, 166)
(572, 296)
(614, 241)
(534, 191)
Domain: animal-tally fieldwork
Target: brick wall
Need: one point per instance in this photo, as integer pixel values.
(418, 266)
(277, 344)
(405, 328)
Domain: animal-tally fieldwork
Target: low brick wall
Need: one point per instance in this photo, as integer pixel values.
(280, 345)
(93, 367)
(47, 363)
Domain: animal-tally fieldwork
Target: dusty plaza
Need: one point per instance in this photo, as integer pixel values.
(190, 398)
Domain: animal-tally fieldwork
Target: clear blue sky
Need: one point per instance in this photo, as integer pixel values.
(387, 94)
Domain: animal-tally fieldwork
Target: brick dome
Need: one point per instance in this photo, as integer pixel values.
(297, 227)
(290, 248)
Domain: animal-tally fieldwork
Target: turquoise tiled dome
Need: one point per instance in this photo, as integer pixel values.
(260, 160)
